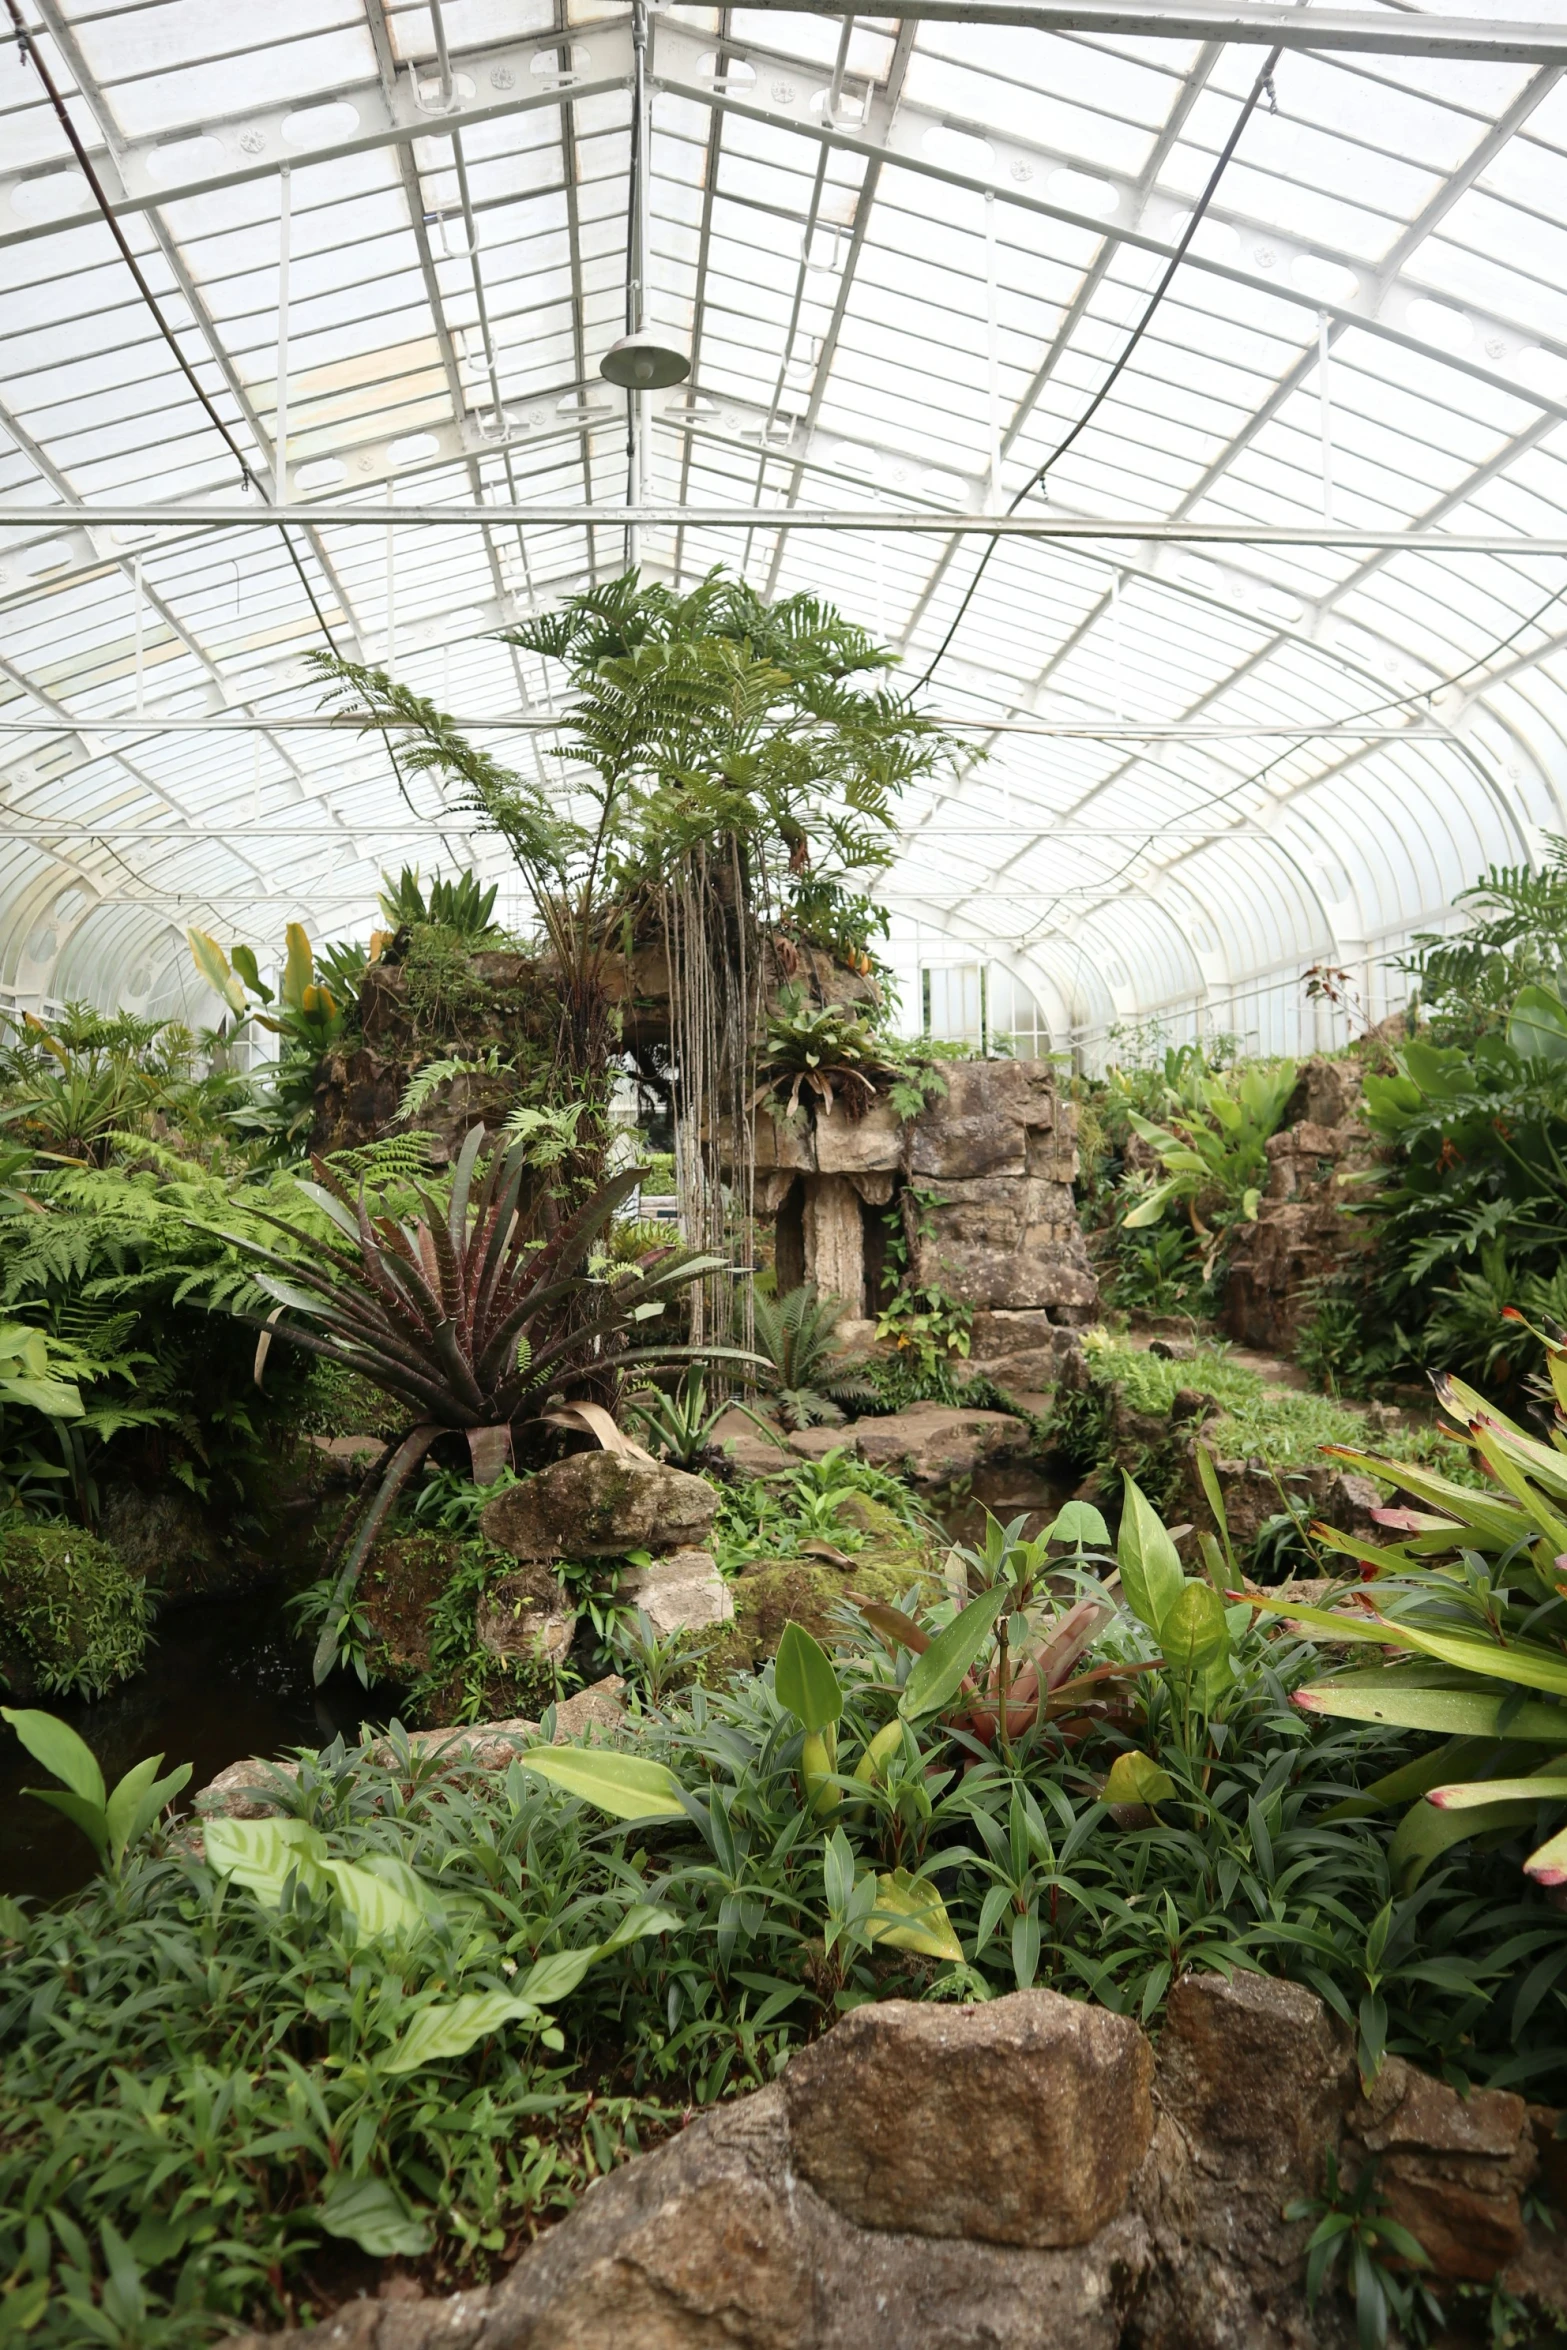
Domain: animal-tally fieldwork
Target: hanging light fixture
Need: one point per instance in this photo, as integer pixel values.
(644, 362)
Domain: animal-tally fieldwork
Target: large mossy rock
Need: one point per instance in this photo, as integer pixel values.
(600, 1505)
(74, 1618)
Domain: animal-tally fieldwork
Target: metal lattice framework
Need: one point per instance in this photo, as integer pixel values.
(1273, 669)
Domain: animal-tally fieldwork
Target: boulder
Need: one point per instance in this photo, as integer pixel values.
(1021, 2121)
(680, 1593)
(753, 1453)
(934, 1443)
(527, 1617)
(714, 2242)
(1451, 2169)
(859, 1146)
(597, 1505)
(1302, 1234)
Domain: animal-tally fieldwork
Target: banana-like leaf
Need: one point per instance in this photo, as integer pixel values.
(371, 2214)
(1449, 1713)
(213, 966)
(1486, 1513)
(627, 1786)
(378, 1908)
(1424, 1834)
(1537, 1025)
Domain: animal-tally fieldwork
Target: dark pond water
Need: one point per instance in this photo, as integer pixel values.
(228, 1679)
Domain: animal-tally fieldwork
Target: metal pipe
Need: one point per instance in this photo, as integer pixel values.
(332, 514)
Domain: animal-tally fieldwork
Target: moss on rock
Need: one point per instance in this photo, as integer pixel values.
(768, 1594)
(75, 1617)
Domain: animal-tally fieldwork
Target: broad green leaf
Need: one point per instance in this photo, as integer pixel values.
(1424, 1834)
(938, 1673)
(1079, 1522)
(453, 2026)
(138, 1799)
(1150, 1567)
(57, 1399)
(244, 961)
(55, 1744)
(1448, 1713)
(804, 1679)
(82, 1814)
(1523, 1661)
(1537, 1025)
(1149, 1210)
(213, 965)
(263, 1854)
(627, 1786)
(371, 2214)
(1137, 1778)
(299, 969)
(910, 1915)
(13, 1920)
(1549, 1787)
(1194, 1634)
(376, 1906)
(1333, 1623)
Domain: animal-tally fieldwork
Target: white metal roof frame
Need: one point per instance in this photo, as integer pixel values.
(1276, 669)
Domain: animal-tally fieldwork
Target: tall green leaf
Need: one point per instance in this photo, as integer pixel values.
(627, 1786)
(937, 1675)
(1151, 1573)
(805, 1681)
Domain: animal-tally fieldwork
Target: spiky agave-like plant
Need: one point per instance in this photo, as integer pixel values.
(478, 1317)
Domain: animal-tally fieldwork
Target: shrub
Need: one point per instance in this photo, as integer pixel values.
(76, 1614)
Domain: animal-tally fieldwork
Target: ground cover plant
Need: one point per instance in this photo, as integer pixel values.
(417, 2013)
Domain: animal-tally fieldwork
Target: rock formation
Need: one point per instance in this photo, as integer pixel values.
(1302, 1234)
(1021, 2175)
(982, 1182)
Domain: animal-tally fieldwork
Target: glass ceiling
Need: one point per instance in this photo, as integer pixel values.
(904, 255)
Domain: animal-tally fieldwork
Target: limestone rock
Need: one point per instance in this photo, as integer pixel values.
(814, 1444)
(526, 1615)
(681, 1592)
(753, 1453)
(1450, 2168)
(1257, 2070)
(934, 1443)
(598, 1707)
(714, 2243)
(1302, 1234)
(859, 1146)
(598, 1504)
(1021, 2121)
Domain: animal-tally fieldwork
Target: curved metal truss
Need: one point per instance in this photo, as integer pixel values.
(1320, 693)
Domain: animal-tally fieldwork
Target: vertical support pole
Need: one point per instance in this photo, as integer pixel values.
(1325, 415)
(1115, 646)
(993, 338)
(285, 236)
(391, 590)
(255, 777)
(636, 265)
(141, 646)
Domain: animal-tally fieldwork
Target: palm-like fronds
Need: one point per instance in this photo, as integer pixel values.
(808, 1380)
(477, 1316)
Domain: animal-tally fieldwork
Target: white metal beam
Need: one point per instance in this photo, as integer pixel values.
(1375, 34)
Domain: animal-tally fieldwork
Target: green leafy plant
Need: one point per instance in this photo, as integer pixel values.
(464, 905)
(1468, 1602)
(807, 1379)
(820, 1054)
(477, 1314)
(113, 1821)
(1355, 2240)
(679, 1424)
(1212, 1146)
(74, 1616)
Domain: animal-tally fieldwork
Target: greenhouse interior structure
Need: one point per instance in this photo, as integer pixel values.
(783, 1175)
